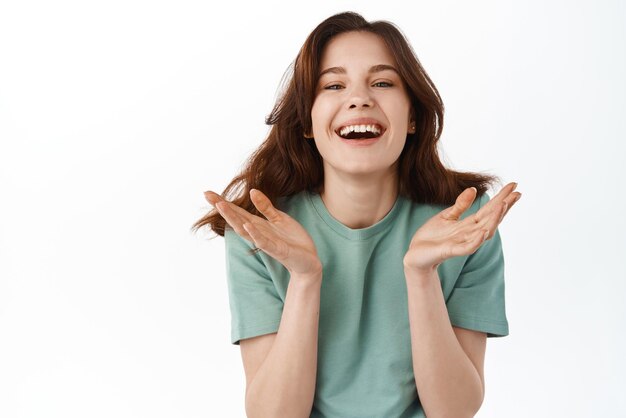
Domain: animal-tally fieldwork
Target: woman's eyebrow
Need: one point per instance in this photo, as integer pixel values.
(374, 69)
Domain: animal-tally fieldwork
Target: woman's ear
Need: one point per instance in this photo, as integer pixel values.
(305, 133)
(412, 126)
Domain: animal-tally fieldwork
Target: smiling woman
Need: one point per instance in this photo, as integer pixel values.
(364, 276)
(360, 71)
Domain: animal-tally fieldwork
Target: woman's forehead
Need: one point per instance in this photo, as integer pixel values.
(351, 48)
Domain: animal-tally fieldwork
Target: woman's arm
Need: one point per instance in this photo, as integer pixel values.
(284, 384)
(448, 383)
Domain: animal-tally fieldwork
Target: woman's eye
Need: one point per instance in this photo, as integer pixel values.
(377, 84)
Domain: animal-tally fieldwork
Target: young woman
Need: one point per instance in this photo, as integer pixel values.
(364, 276)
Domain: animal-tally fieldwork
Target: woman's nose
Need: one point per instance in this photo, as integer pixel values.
(359, 97)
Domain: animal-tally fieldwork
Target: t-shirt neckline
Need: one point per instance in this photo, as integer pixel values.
(353, 234)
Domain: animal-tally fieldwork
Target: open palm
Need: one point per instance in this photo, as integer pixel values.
(280, 236)
(444, 236)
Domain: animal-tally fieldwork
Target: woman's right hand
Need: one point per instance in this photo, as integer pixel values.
(280, 236)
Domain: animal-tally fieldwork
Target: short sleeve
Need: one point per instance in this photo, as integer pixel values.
(255, 306)
(477, 299)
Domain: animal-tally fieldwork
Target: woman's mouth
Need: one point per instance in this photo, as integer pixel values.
(360, 135)
(360, 132)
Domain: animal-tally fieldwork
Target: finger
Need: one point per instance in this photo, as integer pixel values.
(462, 203)
(495, 218)
(262, 241)
(509, 201)
(500, 217)
(212, 197)
(506, 191)
(244, 215)
(237, 216)
(264, 205)
(491, 221)
(499, 197)
(261, 224)
(265, 227)
(483, 216)
(512, 199)
(233, 219)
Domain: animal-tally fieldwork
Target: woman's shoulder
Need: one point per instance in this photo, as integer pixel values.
(293, 201)
(430, 209)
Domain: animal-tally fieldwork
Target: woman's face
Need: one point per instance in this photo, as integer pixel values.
(359, 90)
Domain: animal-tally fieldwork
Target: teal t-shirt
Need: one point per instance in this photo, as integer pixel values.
(364, 366)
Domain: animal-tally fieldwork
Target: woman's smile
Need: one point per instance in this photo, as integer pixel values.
(360, 139)
(360, 131)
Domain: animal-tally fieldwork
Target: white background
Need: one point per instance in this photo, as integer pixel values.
(115, 117)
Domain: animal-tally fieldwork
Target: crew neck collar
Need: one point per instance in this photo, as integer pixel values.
(353, 234)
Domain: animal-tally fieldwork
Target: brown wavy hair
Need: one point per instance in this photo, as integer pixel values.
(286, 163)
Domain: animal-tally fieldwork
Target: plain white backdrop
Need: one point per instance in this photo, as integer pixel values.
(115, 117)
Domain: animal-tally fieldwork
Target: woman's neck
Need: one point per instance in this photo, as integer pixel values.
(359, 202)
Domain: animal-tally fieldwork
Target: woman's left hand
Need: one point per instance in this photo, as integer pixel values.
(444, 236)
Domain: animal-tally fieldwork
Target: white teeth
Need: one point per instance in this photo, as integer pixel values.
(359, 128)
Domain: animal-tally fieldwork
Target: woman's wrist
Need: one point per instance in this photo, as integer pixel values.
(315, 274)
(421, 274)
